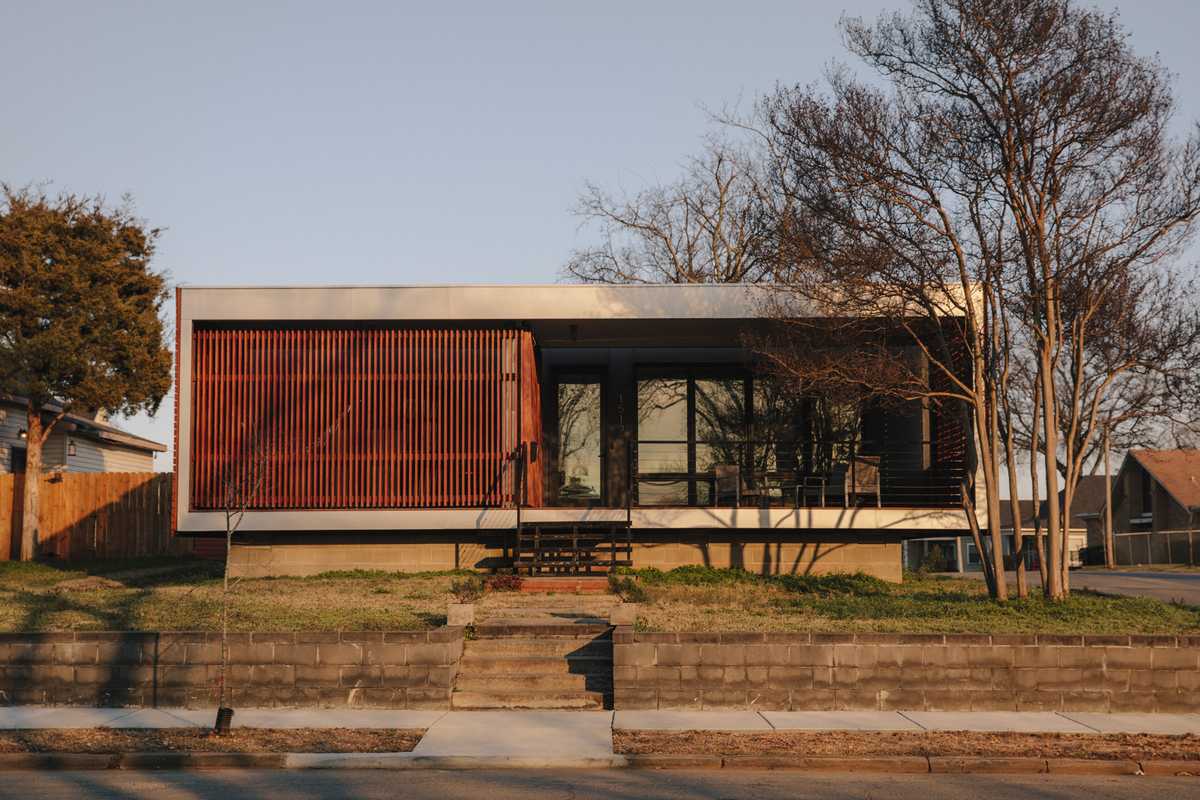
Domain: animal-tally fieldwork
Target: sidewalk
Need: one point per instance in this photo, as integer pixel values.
(587, 735)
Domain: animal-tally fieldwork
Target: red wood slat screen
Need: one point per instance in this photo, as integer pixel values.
(361, 418)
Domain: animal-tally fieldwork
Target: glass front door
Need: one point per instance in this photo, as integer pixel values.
(580, 441)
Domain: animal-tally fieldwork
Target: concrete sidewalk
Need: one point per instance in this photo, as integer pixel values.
(587, 734)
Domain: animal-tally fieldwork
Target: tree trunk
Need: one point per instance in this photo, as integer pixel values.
(992, 487)
(1054, 548)
(1038, 536)
(1110, 550)
(1015, 506)
(35, 437)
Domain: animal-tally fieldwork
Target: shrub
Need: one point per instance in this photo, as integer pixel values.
(467, 589)
(857, 584)
(504, 583)
(626, 588)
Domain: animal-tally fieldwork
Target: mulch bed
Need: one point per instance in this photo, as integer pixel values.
(904, 743)
(183, 740)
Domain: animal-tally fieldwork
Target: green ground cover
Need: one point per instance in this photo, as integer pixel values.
(703, 599)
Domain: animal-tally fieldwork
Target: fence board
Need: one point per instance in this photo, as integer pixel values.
(95, 515)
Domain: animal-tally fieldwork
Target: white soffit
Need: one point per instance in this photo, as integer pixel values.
(544, 302)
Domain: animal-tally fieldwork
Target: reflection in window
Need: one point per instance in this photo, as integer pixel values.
(778, 426)
(579, 446)
(720, 423)
(662, 409)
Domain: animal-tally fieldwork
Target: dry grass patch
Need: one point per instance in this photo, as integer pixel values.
(191, 740)
(185, 594)
(1134, 747)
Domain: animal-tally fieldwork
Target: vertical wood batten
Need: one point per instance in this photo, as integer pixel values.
(381, 418)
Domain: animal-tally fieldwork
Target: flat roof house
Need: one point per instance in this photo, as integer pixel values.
(554, 428)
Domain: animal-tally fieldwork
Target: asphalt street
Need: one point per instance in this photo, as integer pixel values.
(1168, 586)
(581, 785)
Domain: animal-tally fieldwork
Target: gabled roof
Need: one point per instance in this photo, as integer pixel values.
(94, 429)
(1006, 517)
(1177, 471)
(1087, 501)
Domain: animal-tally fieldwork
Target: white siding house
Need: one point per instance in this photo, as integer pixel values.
(78, 444)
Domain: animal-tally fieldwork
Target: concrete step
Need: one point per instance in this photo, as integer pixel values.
(516, 628)
(519, 647)
(549, 700)
(479, 664)
(532, 684)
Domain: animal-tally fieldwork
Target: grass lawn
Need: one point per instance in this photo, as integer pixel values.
(703, 599)
(185, 594)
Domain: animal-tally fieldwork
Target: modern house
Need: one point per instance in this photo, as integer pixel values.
(77, 444)
(1156, 507)
(551, 428)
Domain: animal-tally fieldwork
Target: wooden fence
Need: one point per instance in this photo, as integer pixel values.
(1157, 547)
(94, 515)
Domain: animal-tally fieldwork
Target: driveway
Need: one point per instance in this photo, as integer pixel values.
(1181, 587)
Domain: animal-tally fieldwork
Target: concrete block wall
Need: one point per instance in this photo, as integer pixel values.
(405, 669)
(905, 672)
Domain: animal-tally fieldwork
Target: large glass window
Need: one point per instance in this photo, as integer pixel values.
(580, 461)
(689, 428)
(663, 441)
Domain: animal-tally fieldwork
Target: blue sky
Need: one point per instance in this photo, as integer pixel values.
(311, 143)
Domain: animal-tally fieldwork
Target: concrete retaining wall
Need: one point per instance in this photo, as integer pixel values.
(263, 554)
(899, 671)
(406, 669)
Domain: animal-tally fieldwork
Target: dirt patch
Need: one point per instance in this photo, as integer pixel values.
(182, 740)
(88, 584)
(904, 743)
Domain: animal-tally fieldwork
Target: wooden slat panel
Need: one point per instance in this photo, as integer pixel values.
(355, 418)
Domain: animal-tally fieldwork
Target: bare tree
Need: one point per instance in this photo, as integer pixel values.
(244, 478)
(1021, 152)
(712, 225)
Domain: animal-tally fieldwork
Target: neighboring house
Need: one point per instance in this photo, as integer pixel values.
(77, 444)
(960, 554)
(550, 428)
(1156, 507)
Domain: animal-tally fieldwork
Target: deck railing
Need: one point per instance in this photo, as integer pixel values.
(891, 473)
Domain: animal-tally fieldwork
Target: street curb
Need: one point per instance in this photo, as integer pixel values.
(58, 761)
(201, 760)
(660, 761)
(411, 761)
(1167, 767)
(417, 761)
(960, 765)
(889, 764)
(1085, 766)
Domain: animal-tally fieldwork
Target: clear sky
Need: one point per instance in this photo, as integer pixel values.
(393, 142)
